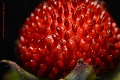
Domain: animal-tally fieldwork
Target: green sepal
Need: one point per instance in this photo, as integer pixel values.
(82, 71)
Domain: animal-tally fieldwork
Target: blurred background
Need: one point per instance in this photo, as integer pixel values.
(16, 12)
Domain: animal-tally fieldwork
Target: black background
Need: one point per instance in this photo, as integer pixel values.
(16, 12)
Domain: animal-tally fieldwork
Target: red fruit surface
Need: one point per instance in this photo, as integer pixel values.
(60, 32)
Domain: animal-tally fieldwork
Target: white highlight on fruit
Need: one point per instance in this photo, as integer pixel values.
(114, 24)
(44, 6)
(58, 46)
(118, 36)
(49, 8)
(22, 38)
(31, 47)
(33, 24)
(36, 17)
(49, 38)
(87, 1)
(115, 29)
(98, 5)
(38, 9)
(32, 14)
(82, 41)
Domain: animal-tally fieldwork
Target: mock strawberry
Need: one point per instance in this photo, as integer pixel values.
(60, 32)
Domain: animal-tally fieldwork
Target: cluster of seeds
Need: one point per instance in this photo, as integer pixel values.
(60, 32)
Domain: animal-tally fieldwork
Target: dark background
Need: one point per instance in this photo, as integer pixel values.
(16, 12)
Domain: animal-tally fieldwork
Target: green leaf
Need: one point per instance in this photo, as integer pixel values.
(17, 73)
(12, 75)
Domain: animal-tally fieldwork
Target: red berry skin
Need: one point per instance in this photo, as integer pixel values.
(58, 33)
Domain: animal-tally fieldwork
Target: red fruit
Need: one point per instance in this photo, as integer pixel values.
(58, 33)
